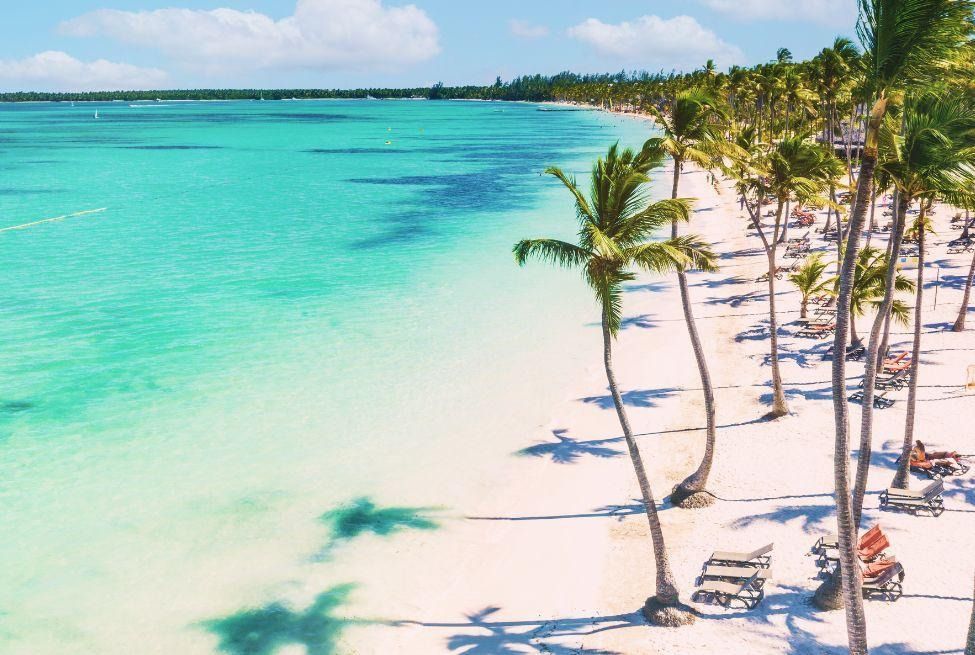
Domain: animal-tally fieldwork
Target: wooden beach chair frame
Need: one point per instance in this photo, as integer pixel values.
(734, 574)
(880, 400)
(887, 586)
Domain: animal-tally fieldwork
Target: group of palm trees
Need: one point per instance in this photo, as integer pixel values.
(896, 116)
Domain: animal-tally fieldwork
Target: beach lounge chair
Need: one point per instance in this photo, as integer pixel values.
(735, 574)
(725, 593)
(870, 547)
(936, 464)
(817, 330)
(880, 400)
(757, 558)
(887, 585)
(895, 381)
(928, 499)
(832, 541)
(897, 363)
(958, 246)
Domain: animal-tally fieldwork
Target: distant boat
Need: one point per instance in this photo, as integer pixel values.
(96, 113)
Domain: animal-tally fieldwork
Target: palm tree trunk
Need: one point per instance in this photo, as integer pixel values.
(902, 476)
(804, 307)
(666, 588)
(871, 360)
(856, 625)
(970, 642)
(688, 493)
(854, 337)
(873, 212)
(779, 405)
(959, 325)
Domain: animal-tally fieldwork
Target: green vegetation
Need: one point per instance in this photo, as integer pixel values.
(896, 113)
(615, 225)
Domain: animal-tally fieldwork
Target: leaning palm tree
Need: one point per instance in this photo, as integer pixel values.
(959, 324)
(970, 642)
(615, 225)
(694, 132)
(794, 169)
(967, 200)
(906, 43)
(809, 281)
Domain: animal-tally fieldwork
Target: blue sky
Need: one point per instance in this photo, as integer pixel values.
(101, 44)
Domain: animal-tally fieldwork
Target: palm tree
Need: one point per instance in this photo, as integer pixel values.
(905, 43)
(959, 325)
(870, 288)
(693, 132)
(809, 280)
(924, 151)
(794, 169)
(965, 200)
(615, 223)
(970, 642)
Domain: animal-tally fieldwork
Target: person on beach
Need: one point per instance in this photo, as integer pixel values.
(921, 459)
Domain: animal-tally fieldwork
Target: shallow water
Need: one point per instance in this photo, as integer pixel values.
(276, 312)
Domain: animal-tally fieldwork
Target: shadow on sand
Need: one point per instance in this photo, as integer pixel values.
(265, 630)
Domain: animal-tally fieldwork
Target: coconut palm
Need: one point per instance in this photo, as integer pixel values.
(616, 222)
(694, 132)
(794, 169)
(810, 281)
(905, 43)
(870, 288)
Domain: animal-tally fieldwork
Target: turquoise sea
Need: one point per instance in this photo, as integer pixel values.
(277, 307)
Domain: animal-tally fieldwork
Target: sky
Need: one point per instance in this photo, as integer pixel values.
(72, 45)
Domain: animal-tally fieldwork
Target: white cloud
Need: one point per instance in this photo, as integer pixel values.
(652, 42)
(826, 12)
(526, 30)
(321, 35)
(58, 71)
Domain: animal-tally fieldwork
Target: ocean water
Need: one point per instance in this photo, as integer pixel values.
(253, 313)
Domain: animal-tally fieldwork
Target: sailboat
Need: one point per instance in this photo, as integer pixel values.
(96, 113)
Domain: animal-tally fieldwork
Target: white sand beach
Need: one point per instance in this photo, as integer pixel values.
(547, 551)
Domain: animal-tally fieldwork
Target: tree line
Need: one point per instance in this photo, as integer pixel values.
(894, 114)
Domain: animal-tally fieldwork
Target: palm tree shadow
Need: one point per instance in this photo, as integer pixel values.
(825, 393)
(632, 398)
(480, 635)
(362, 516)
(811, 518)
(643, 322)
(963, 490)
(738, 300)
(754, 333)
(568, 451)
(724, 282)
(265, 630)
(652, 287)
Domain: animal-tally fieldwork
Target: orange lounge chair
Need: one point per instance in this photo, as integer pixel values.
(899, 363)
